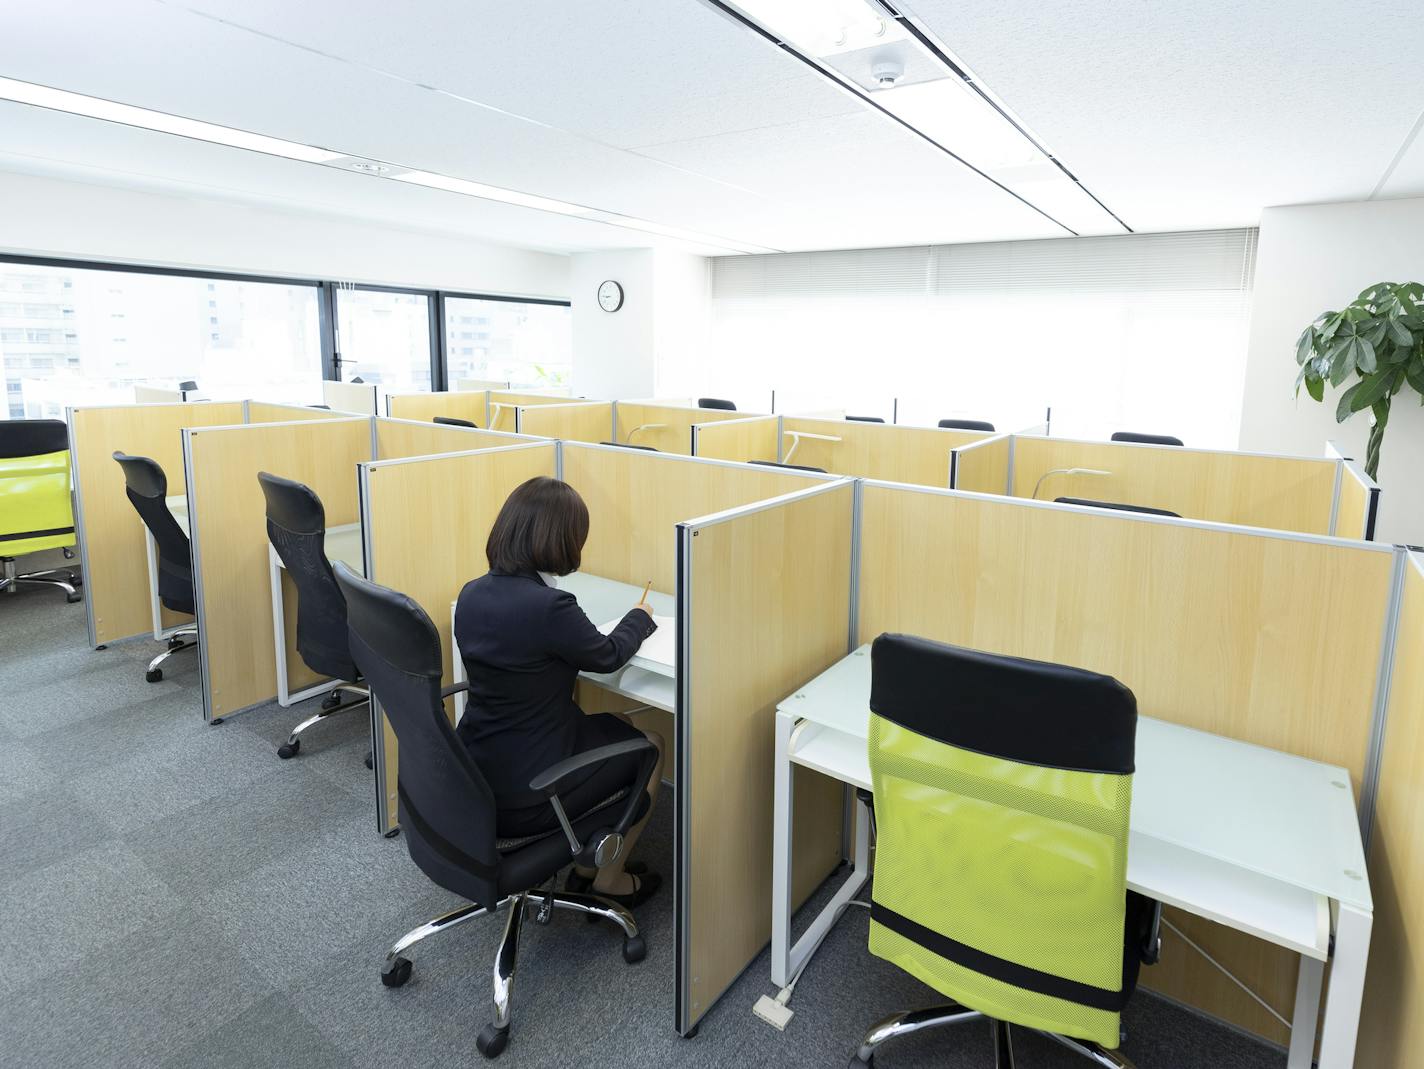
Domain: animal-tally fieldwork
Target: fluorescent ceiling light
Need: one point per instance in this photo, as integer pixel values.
(97, 108)
(823, 27)
(1054, 192)
(951, 113)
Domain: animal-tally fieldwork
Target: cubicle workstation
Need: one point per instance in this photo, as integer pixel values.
(572, 421)
(1284, 493)
(662, 426)
(504, 406)
(361, 398)
(1259, 661)
(746, 439)
(919, 455)
(469, 405)
(113, 542)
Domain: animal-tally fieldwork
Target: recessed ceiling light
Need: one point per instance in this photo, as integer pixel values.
(367, 167)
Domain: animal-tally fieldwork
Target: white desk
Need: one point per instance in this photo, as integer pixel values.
(1258, 840)
(342, 544)
(642, 679)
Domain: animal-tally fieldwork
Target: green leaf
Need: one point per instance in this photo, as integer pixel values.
(1315, 386)
(1381, 414)
(1415, 377)
(1364, 353)
(1343, 410)
(1399, 333)
(1375, 330)
(1331, 325)
(1305, 345)
(1371, 389)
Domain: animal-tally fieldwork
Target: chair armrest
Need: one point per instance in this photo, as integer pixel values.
(548, 782)
(453, 688)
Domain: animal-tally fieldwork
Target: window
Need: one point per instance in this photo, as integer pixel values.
(1141, 332)
(71, 355)
(528, 344)
(384, 337)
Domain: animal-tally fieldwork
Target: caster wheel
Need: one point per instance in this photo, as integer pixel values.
(491, 1041)
(72, 598)
(370, 762)
(396, 973)
(154, 675)
(392, 833)
(634, 949)
(289, 749)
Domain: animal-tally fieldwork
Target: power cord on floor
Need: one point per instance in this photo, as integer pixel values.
(774, 1009)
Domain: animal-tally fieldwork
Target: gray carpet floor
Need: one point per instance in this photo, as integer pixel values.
(171, 894)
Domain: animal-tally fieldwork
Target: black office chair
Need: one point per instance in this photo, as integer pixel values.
(866, 419)
(632, 445)
(35, 511)
(447, 810)
(779, 464)
(716, 402)
(965, 425)
(146, 486)
(1118, 506)
(451, 421)
(296, 527)
(1145, 439)
(1002, 792)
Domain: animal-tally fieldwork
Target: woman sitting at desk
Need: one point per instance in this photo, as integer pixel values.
(524, 642)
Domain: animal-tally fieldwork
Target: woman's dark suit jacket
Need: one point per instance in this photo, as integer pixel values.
(524, 645)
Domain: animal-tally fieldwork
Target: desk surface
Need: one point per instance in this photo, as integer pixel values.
(1287, 818)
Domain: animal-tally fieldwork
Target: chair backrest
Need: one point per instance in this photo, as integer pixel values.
(779, 464)
(451, 421)
(296, 527)
(1145, 439)
(447, 810)
(716, 402)
(867, 419)
(1119, 506)
(35, 510)
(1002, 795)
(147, 486)
(966, 425)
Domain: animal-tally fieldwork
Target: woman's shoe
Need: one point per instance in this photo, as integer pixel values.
(581, 884)
(644, 887)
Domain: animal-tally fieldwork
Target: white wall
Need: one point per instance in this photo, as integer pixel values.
(1311, 259)
(681, 324)
(53, 217)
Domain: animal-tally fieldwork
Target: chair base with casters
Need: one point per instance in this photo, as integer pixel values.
(908, 1022)
(330, 706)
(183, 639)
(66, 580)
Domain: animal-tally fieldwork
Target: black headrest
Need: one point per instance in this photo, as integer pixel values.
(391, 624)
(358, 379)
(327, 407)
(292, 506)
(1115, 505)
(866, 419)
(630, 445)
(966, 425)
(1028, 711)
(187, 385)
(778, 464)
(143, 475)
(451, 421)
(716, 402)
(1145, 439)
(32, 437)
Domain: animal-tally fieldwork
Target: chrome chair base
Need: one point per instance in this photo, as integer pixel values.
(905, 1023)
(63, 578)
(184, 639)
(494, 1036)
(330, 706)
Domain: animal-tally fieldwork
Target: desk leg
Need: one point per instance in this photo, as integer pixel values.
(279, 630)
(1347, 988)
(782, 822)
(1307, 1013)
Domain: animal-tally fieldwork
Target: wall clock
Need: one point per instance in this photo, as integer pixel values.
(610, 296)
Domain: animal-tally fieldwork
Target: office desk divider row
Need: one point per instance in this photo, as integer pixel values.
(918, 455)
(1359, 496)
(665, 427)
(361, 398)
(504, 406)
(281, 412)
(573, 421)
(743, 439)
(472, 405)
(985, 466)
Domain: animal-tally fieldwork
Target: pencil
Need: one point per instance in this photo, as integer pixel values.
(643, 600)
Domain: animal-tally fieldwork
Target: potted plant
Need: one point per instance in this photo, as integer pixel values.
(1379, 339)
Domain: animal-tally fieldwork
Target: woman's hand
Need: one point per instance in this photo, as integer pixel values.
(645, 607)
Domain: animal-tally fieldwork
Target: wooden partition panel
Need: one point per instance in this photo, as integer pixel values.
(875, 450)
(396, 438)
(983, 467)
(763, 609)
(1391, 1027)
(424, 407)
(1268, 638)
(1251, 489)
(276, 412)
(581, 421)
(465, 385)
(667, 428)
(504, 402)
(116, 579)
(1359, 503)
(427, 520)
(356, 397)
(749, 438)
(636, 499)
(229, 530)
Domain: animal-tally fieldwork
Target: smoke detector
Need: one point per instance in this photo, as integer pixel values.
(886, 73)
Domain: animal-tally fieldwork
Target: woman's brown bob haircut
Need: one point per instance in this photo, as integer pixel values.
(541, 528)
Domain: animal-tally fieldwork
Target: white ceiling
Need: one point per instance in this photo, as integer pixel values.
(1177, 116)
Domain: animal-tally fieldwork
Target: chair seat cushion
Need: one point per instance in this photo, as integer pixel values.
(535, 862)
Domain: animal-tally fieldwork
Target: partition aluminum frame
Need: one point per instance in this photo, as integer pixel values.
(1372, 489)
(79, 534)
(683, 904)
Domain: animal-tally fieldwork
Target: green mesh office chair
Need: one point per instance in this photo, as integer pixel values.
(1002, 789)
(35, 512)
